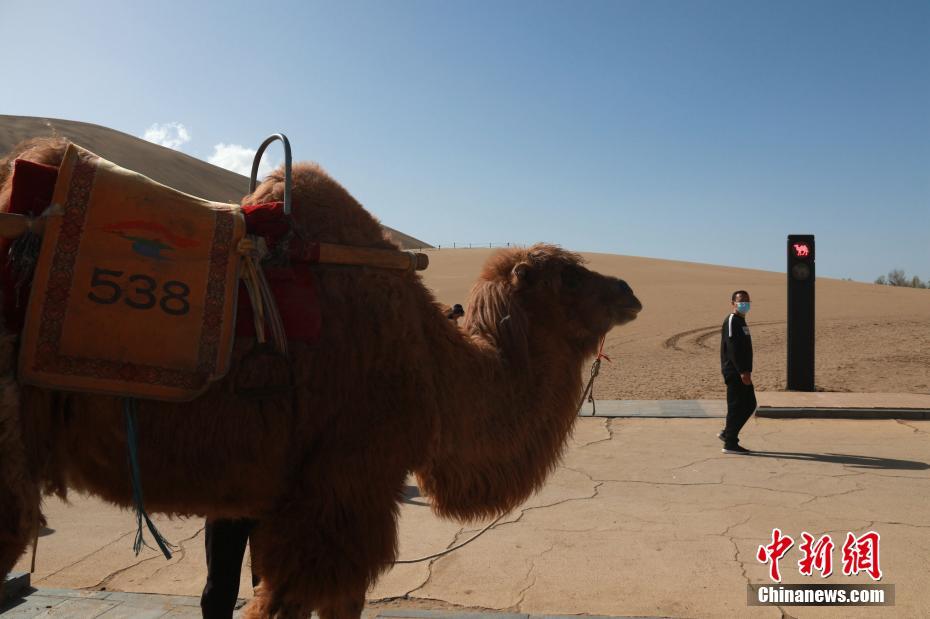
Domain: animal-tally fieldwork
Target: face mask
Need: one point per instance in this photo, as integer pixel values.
(742, 307)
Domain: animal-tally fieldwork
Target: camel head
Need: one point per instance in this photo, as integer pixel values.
(546, 289)
(540, 312)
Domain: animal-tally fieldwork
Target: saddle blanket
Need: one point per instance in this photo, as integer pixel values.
(294, 288)
(135, 288)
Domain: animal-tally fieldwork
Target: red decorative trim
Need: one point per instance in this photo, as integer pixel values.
(211, 329)
(61, 274)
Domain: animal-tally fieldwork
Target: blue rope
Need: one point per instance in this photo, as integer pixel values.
(130, 406)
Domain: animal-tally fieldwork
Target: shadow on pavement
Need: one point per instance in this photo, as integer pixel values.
(865, 462)
(16, 598)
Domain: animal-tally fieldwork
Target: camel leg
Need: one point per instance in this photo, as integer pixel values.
(350, 607)
(19, 513)
(12, 548)
(19, 492)
(264, 606)
(293, 599)
(326, 546)
(20, 518)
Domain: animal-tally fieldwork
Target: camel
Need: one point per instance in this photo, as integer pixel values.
(480, 413)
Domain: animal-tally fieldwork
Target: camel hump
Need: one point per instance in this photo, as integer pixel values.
(322, 209)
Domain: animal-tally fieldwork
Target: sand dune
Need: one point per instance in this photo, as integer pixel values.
(869, 338)
(170, 167)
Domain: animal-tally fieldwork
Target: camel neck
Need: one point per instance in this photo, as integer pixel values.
(504, 428)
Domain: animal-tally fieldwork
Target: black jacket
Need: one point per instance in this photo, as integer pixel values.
(735, 347)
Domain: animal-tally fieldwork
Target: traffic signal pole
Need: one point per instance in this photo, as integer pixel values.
(801, 279)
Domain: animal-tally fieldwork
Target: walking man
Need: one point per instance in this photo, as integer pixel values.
(736, 363)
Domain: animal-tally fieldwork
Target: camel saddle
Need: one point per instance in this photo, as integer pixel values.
(135, 288)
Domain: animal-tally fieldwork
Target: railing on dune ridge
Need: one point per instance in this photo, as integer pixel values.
(458, 245)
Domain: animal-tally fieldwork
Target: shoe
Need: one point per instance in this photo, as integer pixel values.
(721, 436)
(735, 449)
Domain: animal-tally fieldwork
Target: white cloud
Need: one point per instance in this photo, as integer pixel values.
(239, 159)
(173, 135)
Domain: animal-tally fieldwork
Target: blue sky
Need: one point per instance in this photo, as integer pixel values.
(691, 130)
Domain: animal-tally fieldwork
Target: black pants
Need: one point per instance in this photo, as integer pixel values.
(225, 544)
(741, 404)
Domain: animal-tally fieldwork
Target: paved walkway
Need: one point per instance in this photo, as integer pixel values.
(108, 604)
(781, 405)
(644, 517)
(64, 603)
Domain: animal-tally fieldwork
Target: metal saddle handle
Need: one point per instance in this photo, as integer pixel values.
(287, 168)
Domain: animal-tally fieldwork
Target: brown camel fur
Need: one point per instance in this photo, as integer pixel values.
(480, 413)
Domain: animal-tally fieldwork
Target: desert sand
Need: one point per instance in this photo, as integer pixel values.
(870, 338)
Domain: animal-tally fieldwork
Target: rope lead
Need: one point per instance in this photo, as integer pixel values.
(130, 406)
(588, 393)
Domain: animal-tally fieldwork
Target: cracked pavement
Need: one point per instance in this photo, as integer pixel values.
(643, 517)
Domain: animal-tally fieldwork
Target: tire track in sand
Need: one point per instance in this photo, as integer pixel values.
(703, 334)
